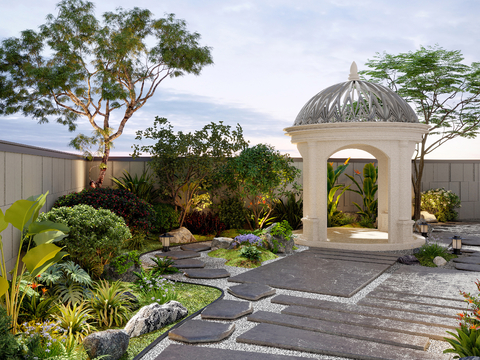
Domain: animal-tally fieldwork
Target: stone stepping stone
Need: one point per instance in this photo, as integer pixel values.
(352, 331)
(185, 352)
(370, 322)
(468, 260)
(252, 292)
(199, 331)
(471, 242)
(179, 255)
(195, 247)
(418, 299)
(302, 340)
(405, 306)
(206, 273)
(467, 267)
(398, 315)
(227, 310)
(188, 264)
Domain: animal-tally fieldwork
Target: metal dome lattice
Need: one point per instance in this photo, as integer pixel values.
(355, 101)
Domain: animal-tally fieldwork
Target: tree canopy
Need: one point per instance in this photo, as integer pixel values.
(76, 66)
(444, 91)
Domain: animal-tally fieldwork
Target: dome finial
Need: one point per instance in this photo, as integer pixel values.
(353, 72)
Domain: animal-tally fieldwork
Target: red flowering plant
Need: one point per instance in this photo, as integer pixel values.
(471, 316)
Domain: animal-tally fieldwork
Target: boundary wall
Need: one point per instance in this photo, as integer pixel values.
(28, 170)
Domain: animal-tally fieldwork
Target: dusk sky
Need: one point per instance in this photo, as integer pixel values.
(270, 58)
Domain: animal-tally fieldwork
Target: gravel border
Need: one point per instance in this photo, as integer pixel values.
(242, 325)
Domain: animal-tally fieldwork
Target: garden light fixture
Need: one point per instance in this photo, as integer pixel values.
(457, 244)
(423, 226)
(165, 239)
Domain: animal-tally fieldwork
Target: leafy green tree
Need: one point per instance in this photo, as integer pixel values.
(444, 91)
(260, 174)
(76, 67)
(185, 162)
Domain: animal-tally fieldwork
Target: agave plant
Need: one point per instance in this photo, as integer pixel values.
(110, 303)
(141, 187)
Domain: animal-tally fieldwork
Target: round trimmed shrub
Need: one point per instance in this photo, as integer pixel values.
(95, 235)
(167, 217)
(139, 215)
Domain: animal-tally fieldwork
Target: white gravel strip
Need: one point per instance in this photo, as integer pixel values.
(242, 325)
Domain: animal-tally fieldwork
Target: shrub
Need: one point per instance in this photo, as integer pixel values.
(251, 252)
(163, 266)
(138, 214)
(36, 308)
(75, 321)
(282, 229)
(136, 242)
(8, 343)
(430, 251)
(141, 187)
(339, 218)
(466, 343)
(67, 281)
(231, 211)
(471, 316)
(166, 217)
(123, 262)
(289, 209)
(204, 223)
(95, 235)
(441, 203)
(110, 303)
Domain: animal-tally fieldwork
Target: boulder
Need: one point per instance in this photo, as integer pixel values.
(430, 218)
(439, 261)
(221, 243)
(408, 260)
(109, 343)
(181, 236)
(154, 316)
(284, 246)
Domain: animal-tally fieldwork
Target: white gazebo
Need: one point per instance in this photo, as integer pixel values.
(359, 115)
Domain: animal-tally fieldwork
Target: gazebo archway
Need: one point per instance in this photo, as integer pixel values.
(369, 117)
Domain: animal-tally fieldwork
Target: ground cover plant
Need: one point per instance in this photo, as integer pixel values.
(430, 251)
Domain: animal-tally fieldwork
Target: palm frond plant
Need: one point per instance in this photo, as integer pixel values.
(76, 320)
(140, 186)
(367, 191)
(289, 209)
(332, 201)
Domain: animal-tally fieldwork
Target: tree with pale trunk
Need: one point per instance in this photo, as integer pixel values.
(76, 67)
(444, 91)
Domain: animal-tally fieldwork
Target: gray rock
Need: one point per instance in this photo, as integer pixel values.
(181, 236)
(439, 261)
(154, 316)
(408, 260)
(110, 343)
(221, 242)
(110, 273)
(283, 246)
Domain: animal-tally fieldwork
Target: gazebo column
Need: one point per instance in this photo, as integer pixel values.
(382, 193)
(400, 224)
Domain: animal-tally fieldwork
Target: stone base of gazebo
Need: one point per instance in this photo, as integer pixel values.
(359, 239)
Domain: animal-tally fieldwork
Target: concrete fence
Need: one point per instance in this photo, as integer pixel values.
(27, 170)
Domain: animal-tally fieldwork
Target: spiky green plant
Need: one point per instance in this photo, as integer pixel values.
(140, 186)
(76, 320)
(466, 342)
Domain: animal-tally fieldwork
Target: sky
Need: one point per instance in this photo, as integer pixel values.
(271, 57)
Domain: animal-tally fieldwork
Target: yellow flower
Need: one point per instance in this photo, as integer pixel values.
(346, 161)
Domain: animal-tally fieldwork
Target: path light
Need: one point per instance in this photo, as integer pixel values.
(457, 244)
(165, 239)
(423, 225)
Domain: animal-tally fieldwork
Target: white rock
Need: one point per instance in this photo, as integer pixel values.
(181, 236)
(439, 261)
(429, 218)
(154, 316)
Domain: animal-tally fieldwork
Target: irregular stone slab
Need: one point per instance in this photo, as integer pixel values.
(352, 331)
(189, 264)
(184, 352)
(227, 310)
(109, 343)
(154, 317)
(206, 273)
(418, 299)
(430, 282)
(468, 260)
(252, 292)
(179, 255)
(433, 332)
(471, 242)
(398, 315)
(306, 271)
(198, 331)
(410, 307)
(467, 267)
(302, 340)
(195, 247)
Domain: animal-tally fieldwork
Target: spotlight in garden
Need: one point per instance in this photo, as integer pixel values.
(165, 239)
(457, 244)
(423, 225)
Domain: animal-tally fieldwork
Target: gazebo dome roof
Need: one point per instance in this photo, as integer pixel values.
(355, 101)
